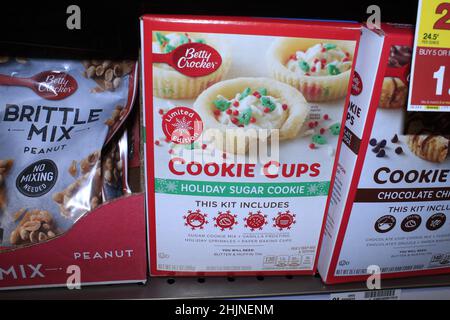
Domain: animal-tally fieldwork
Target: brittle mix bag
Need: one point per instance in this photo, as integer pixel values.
(55, 117)
(114, 168)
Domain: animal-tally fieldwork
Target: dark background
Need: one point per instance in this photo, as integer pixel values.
(111, 28)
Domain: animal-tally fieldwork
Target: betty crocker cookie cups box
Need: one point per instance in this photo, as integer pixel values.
(390, 201)
(242, 116)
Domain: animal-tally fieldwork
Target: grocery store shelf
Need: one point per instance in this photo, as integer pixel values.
(248, 287)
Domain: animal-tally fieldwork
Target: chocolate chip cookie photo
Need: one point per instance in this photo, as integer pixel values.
(400, 56)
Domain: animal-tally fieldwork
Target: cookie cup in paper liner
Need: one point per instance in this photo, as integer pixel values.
(288, 124)
(314, 88)
(168, 83)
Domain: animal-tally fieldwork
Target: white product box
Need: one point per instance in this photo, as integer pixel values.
(390, 196)
(213, 208)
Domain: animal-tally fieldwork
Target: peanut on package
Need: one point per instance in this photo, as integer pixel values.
(55, 118)
(209, 82)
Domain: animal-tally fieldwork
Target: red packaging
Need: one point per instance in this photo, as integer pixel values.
(387, 214)
(232, 77)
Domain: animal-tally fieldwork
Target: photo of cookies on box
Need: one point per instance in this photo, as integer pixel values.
(171, 84)
(429, 147)
(428, 135)
(394, 92)
(319, 69)
(252, 103)
(244, 94)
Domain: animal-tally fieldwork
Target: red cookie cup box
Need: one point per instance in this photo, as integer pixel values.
(67, 217)
(390, 197)
(242, 117)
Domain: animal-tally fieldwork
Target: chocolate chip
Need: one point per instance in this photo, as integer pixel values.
(382, 143)
(381, 154)
(373, 142)
(399, 150)
(376, 149)
(394, 139)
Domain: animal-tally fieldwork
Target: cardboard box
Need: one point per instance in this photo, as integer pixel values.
(390, 199)
(213, 86)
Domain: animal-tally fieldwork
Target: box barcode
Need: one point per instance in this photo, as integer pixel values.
(355, 272)
(170, 267)
(352, 272)
(380, 294)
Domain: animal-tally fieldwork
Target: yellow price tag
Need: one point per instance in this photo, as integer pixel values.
(434, 24)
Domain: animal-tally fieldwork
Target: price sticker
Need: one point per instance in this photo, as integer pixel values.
(430, 74)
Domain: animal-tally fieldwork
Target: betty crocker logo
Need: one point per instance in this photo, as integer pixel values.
(191, 59)
(357, 84)
(50, 85)
(56, 85)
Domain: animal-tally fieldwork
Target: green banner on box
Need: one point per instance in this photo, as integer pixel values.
(241, 189)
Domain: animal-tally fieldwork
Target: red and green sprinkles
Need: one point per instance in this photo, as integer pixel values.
(222, 104)
(329, 46)
(333, 70)
(304, 66)
(311, 67)
(335, 129)
(262, 91)
(245, 94)
(166, 47)
(268, 104)
(320, 136)
(244, 117)
(319, 139)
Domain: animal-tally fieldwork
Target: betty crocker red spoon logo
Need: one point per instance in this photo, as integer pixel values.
(357, 84)
(50, 85)
(191, 59)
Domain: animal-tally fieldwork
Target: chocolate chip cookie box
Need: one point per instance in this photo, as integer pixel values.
(242, 117)
(58, 221)
(388, 211)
